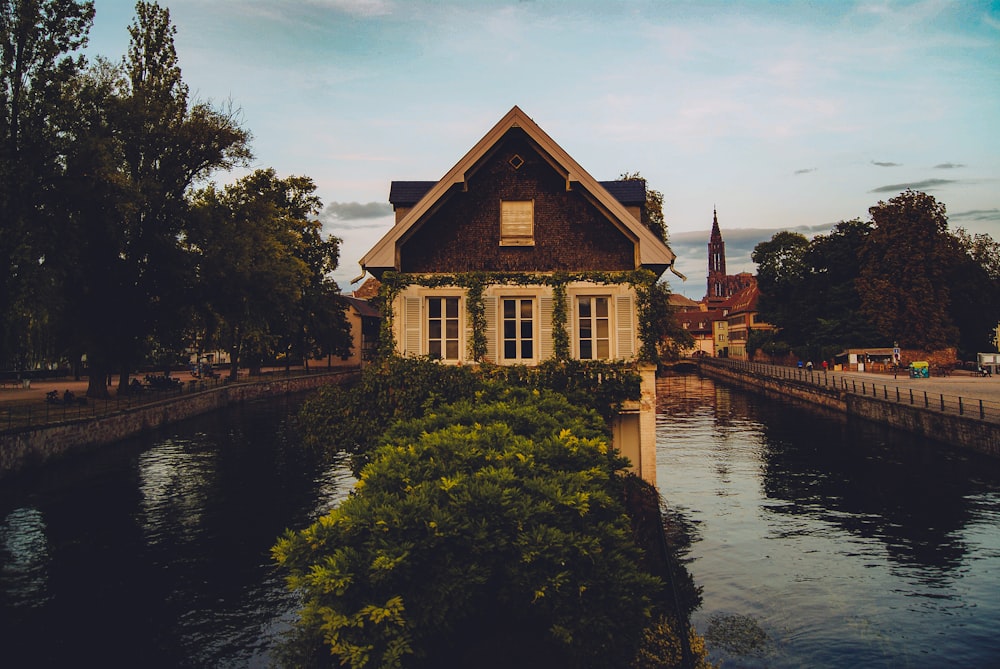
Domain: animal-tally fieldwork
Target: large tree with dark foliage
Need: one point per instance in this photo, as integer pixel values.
(901, 278)
(147, 146)
(263, 269)
(905, 266)
(37, 41)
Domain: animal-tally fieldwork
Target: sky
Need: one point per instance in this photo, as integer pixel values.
(777, 115)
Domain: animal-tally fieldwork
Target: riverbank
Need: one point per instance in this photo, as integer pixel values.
(38, 444)
(959, 411)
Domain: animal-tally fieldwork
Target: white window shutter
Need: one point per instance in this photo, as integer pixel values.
(490, 307)
(546, 345)
(624, 329)
(411, 326)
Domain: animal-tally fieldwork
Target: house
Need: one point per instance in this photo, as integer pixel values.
(365, 321)
(700, 321)
(742, 320)
(518, 255)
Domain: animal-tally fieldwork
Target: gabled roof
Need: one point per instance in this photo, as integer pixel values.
(363, 307)
(652, 252)
(745, 300)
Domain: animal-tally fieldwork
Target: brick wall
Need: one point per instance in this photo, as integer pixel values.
(463, 234)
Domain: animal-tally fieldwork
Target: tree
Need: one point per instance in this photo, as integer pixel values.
(974, 279)
(781, 278)
(263, 267)
(140, 147)
(37, 38)
(834, 262)
(903, 280)
(321, 326)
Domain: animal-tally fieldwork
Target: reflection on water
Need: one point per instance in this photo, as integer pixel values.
(849, 544)
(156, 552)
(838, 544)
(24, 556)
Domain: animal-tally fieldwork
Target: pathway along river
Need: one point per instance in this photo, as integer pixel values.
(817, 544)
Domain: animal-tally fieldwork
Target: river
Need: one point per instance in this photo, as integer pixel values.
(825, 544)
(818, 544)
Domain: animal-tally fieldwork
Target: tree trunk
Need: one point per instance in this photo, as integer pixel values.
(234, 362)
(97, 388)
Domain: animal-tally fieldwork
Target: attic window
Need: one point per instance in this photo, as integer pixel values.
(517, 223)
(516, 161)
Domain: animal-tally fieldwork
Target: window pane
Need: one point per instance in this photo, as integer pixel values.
(601, 306)
(526, 349)
(584, 308)
(509, 308)
(509, 329)
(602, 329)
(434, 307)
(452, 307)
(525, 329)
(434, 349)
(434, 329)
(603, 349)
(526, 309)
(585, 350)
(510, 349)
(585, 332)
(452, 328)
(452, 349)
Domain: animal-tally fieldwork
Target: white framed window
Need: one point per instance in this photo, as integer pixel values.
(443, 328)
(593, 327)
(517, 316)
(517, 223)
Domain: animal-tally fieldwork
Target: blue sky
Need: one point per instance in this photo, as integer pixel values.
(782, 115)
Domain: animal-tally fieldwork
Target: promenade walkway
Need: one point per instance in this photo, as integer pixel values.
(27, 406)
(959, 393)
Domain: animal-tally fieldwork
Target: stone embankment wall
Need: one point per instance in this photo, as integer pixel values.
(951, 429)
(37, 445)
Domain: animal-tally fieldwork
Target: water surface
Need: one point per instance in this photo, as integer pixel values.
(847, 544)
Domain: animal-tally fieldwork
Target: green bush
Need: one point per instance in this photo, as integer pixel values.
(352, 418)
(480, 530)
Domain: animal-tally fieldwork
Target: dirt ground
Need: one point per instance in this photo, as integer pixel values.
(39, 387)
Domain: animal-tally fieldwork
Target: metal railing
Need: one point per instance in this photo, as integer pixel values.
(977, 408)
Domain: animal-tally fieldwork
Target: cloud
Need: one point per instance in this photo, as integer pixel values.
(948, 166)
(352, 211)
(977, 215)
(692, 253)
(885, 164)
(805, 171)
(925, 185)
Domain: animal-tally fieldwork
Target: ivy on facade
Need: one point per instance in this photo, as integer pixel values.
(651, 304)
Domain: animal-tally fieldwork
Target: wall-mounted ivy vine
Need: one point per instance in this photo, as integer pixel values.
(651, 306)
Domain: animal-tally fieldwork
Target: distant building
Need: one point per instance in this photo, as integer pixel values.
(711, 322)
(742, 319)
(721, 286)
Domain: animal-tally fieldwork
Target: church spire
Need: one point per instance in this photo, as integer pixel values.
(716, 263)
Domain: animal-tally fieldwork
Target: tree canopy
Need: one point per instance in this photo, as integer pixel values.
(900, 278)
(263, 268)
(99, 166)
